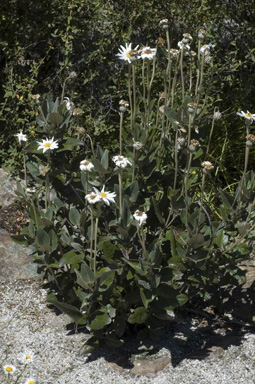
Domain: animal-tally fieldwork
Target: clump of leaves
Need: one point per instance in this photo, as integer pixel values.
(125, 240)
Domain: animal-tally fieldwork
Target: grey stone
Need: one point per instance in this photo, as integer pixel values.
(13, 259)
(7, 189)
(149, 367)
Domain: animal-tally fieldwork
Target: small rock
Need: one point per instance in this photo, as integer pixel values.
(148, 367)
(13, 259)
(7, 189)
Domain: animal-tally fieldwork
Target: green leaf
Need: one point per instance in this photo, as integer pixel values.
(198, 153)
(74, 216)
(99, 167)
(70, 310)
(69, 145)
(196, 240)
(133, 191)
(126, 216)
(146, 297)
(43, 237)
(20, 190)
(182, 299)
(100, 321)
(108, 249)
(86, 273)
(105, 159)
(113, 341)
(54, 240)
(72, 258)
(106, 280)
(55, 118)
(139, 316)
(157, 211)
(31, 229)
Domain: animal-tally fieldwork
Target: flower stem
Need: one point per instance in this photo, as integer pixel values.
(120, 191)
(121, 127)
(25, 170)
(134, 102)
(142, 241)
(201, 200)
(182, 76)
(186, 180)
(130, 97)
(211, 132)
(95, 245)
(198, 70)
(91, 234)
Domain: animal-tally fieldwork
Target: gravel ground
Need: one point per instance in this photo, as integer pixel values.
(27, 324)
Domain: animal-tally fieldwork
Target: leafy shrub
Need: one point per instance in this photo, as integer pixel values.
(123, 239)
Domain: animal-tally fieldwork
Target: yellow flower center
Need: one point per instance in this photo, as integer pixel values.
(128, 54)
(9, 369)
(92, 197)
(120, 158)
(248, 114)
(31, 382)
(47, 145)
(102, 194)
(28, 357)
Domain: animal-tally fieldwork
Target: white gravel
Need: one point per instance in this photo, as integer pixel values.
(27, 324)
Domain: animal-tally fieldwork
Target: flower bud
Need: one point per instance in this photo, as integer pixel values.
(201, 34)
(72, 75)
(164, 23)
(194, 144)
(123, 105)
(217, 115)
(207, 166)
(250, 140)
(191, 108)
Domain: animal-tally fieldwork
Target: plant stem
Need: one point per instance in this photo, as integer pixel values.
(211, 132)
(95, 249)
(120, 191)
(91, 233)
(201, 200)
(121, 126)
(25, 170)
(142, 241)
(134, 102)
(182, 76)
(198, 70)
(186, 180)
(130, 97)
(176, 158)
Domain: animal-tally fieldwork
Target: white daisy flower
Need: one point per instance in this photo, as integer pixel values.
(107, 197)
(121, 161)
(127, 53)
(187, 38)
(207, 165)
(21, 137)
(205, 49)
(69, 104)
(27, 357)
(140, 216)
(93, 198)
(9, 369)
(247, 115)
(47, 144)
(30, 380)
(148, 53)
(184, 46)
(86, 165)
